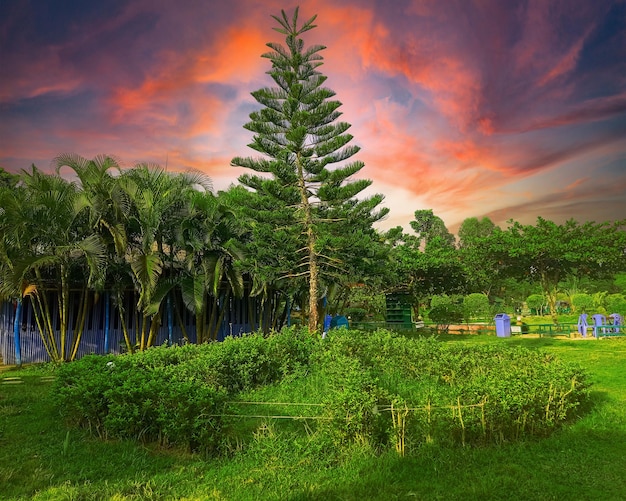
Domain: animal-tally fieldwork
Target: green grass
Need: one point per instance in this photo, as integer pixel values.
(40, 459)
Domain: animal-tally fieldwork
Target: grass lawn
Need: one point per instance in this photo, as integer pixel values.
(40, 459)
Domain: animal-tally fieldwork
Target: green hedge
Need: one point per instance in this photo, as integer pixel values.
(174, 395)
(377, 389)
(443, 392)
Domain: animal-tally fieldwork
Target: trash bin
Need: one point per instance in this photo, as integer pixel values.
(503, 325)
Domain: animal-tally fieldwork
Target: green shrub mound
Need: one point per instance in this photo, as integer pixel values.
(174, 395)
(376, 389)
(407, 392)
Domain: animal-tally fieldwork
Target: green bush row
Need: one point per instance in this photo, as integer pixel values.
(174, 395)
(443, 392)
(377, 389)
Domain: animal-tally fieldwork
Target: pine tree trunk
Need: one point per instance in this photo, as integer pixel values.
(313, 287)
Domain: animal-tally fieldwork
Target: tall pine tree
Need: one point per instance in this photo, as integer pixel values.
(304, 148)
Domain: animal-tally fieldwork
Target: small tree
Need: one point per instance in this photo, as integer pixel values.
(582, 302)
(444, 311)
(475, 305)
(536, 302)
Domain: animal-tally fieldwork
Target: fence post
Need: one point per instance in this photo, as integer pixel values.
(107, 321)
(170, 320)
(16, 332)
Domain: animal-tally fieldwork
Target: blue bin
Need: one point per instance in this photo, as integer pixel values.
(503, 325)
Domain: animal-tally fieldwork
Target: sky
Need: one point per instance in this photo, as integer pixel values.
(510, 109)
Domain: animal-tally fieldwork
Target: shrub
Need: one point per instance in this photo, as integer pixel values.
(445, 314)
(616, 303)
(582, 302)
(173, 395)
(378, 389)
(475, 305)
(443, 393)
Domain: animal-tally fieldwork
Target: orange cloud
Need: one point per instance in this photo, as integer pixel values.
(178, 83)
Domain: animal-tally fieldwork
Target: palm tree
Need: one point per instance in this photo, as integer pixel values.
(212, 238)
(160, 201)
(108, 207)
(12, 242)
(57, 249)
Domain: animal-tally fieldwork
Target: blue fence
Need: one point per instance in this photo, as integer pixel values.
(241, 316)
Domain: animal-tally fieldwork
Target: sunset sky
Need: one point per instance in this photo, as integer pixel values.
(501, 108)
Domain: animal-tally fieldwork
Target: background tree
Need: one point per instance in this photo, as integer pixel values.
(480, 264)
(547, 252)
(428, 227)
(425, 264)
(298, 134)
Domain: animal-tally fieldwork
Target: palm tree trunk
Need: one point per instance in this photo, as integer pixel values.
(182, 325)
(154, 328)
(119, 294)
(48, 341)
(129, 345)
(212, 317)
(81, 323)
(216, 328)
(16, 332)
(42, 300)
(64, 305)
(144, 323)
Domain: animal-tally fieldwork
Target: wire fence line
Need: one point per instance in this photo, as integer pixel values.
(400, 414)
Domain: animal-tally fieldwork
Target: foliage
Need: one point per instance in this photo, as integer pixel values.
(582, 302)
(445, 310)
(616, 303)
(548, 252)
(475, 305)
(482, 269)
(47, 245)
(297, 132)
(174, 395)
(620, 282)
(536, 302)
(425, 264)
(429, 228)
(7, 179)
(455, 394)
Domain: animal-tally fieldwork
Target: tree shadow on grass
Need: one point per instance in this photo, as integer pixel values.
(39, 453)
(572, 464)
